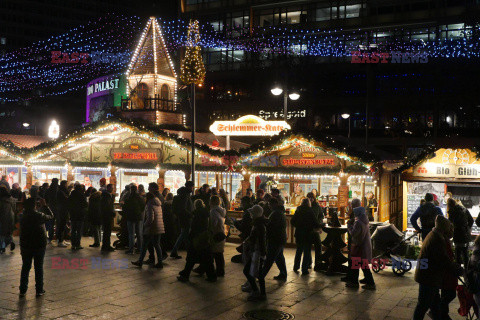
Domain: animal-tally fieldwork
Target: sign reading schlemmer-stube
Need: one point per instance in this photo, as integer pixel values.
(249, 125)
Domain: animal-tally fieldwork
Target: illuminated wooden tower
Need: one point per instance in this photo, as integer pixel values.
(151, 80)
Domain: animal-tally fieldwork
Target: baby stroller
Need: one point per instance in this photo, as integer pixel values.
(466, 302)
(390, 245)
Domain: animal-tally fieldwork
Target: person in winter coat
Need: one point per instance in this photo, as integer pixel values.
(255, 253)
(427, 213)
(33, 241)
(133, 208)
(16, 192)
(108, 213)
(360, 249)
(433, 263)
(78, 206)
(7, 220)
(472, 274)
(305, 223)
(4, 183)
(276, 241)
(317, 243)
(198, 244)
(95, 216)
(224, 197)
(52, 203)
(170, 221)
(182, 207)
(62, 215)
(217, 227)
(449, 284)
(153, 228)
(462, 225)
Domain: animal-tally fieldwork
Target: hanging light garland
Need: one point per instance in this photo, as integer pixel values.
(29, 73)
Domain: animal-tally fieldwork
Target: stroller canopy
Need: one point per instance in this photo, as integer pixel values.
(386, 237)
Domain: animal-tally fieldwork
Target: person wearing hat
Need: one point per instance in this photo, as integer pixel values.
(255, 252)
(426, 213)
(433, 263)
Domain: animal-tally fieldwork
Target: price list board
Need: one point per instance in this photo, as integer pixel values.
(413, 202)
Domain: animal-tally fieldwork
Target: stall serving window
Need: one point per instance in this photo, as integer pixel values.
(174, 180)
(127, 176)
(46, 174)
(90, 177)
(13, 175)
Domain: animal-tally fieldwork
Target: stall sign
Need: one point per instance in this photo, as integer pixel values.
(135, 149)
(249, 125)
(135, 143)
(143, 155)
(307, 156)
(343, 196)
(450, 163)
(91, 173)
(136, 174)
(433, 170)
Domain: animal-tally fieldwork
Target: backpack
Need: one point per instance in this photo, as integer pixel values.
(429, 213)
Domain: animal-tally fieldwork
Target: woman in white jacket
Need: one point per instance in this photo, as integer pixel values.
(217, 227)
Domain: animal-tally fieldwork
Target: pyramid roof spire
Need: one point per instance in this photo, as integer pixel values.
(151, 55)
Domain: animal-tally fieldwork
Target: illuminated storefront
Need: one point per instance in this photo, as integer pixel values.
(442, 172)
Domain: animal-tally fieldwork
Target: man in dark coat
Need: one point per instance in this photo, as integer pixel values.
(433, 263)
(51, 199)
(62, 212)
(276, 240)
(108, 213)
(183, 208)
(427, 213)
(33, 241)
(462, 225)
(317, 243)
(77, 204)
(95, 216)
(132, 208)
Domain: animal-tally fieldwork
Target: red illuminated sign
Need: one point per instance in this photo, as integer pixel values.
(135, 155)
(307, 162)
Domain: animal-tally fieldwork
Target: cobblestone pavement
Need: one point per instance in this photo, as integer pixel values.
(94, 293)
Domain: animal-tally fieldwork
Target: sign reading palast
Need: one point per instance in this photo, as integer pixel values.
(249, 125)
(449, 163)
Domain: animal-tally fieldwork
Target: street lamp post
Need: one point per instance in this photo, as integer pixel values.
(277, 90)
(347, 116)
(27, 125)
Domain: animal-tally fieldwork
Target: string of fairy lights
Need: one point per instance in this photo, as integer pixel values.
(28, 72)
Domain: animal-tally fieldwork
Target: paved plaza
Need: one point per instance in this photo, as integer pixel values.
(130, 293)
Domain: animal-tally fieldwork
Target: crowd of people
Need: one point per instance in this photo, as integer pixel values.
(158, 222)
(196, 220)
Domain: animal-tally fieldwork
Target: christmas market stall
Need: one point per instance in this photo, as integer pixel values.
(444, 172)
(297, 163)
(124, 152)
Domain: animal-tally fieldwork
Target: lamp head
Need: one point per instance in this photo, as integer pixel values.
(26, 124)
(294, 96)
(276, 90)
(345, 115)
